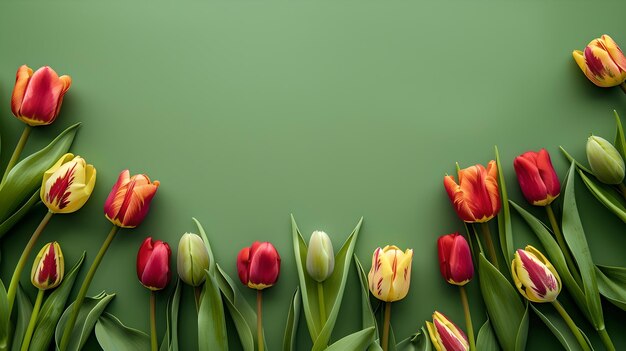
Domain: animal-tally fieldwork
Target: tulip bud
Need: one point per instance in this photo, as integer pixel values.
(37, 97)
(48, 268)
(455, 259)
(534, 276)
(605, 161)
(129, 200)
(445, 335)
(537, 178)
(153, 264)
(258, 266)
(68, 184)
(390, 276)
(602, 62)
(192, 259)
(320, 258)
(476, 197)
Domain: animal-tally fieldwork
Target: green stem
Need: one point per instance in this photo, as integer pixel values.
(69, 327)
(622, 189)
(572, 326)
(559, 239)
(153, 331)
(491, 249)
(15, 280)
(385, 342)
(606, 340)
(320, 298)
(33, 321)
(468, 318)
(259, 319)
(17, 152)
(197, 292)
(623, 86)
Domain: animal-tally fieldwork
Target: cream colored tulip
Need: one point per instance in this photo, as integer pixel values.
(390, 275)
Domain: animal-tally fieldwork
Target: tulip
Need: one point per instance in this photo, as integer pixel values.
(455, 259)
(48, 269)
(476, 197)
(129, 200)
(37, 97)
(445, 335)
(320, 258)
(192, 259)
(153, 264)
(67, 185)
(605, 161)
(602, 62)
(537, 178)
(534, 276)
(258, 266)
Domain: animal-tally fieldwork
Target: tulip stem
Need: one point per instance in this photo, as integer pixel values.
(17, 152)
(468, 318)
(606, 340)
(559, 239)
(385, 342)
(33, 321)
(622, 189)
(153, 331)
(320, 298)
(259, 319)
(15, 280)
(69, 327)
(623, 86)
(491, 249)
(572, 326)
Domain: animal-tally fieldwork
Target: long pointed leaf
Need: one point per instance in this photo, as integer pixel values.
(570, 158)
(4, 318)
(113, 335)
(211, 322)
(505, 229)
(170, 340)
(88, 315)
(355, 341)
(557, 326)
(420, 341)
(605, 194)
(620, 142)
(24, 310)
(19, 214)
(204, 237)
(612, 284)
(486, 339)
(291, 329)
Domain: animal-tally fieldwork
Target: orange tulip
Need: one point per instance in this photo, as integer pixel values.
(476, 197)
(129, 200)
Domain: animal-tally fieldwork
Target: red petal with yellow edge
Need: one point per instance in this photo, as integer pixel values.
(21, 83)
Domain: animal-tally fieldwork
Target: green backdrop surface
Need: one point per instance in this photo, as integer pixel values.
(247, 111)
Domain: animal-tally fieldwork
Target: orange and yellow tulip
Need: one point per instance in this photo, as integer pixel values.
(129, 200)
(476, 198)
(603, 62)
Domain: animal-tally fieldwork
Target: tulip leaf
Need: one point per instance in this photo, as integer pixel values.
(486, 339)
(575, 238)
(605, 194)
(208, 246)
(112, 335)
(506, 311)
(8, 223)
(505, 229)
(88, 315)
(356, 341)
(291, 330)
(4, 318)
(25, 177)
(419, 341)
(557, 326)
(24, 310)
(52, 309)
(211, 319)
(333, 286)
(570, 158)
(612, 284)
(170, 340)
(368, 318)
(620, 142)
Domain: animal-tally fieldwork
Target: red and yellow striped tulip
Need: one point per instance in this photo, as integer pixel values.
(390, 276)
(603, 62)
(67, 185)
(49, 267)
(534, 276)
(445, 335)
(129, 200)
(476, 197)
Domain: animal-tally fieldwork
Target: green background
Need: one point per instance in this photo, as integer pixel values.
(247, 111)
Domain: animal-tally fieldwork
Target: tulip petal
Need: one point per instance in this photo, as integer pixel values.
(264, 269)
(614, 51)
(461, 268)
(43, 97)
(457, 197)
(156, 274)
(601, 69)
(380, 275)
(448, 339)
(402, 274)
(539, 282)
(21, 84)
(145, 250)
(243, 264)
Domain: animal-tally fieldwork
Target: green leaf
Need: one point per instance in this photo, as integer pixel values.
(606, 195)
(170, 340)
(557, 326)
(88, 315)
(212, 262)
(612, 284)
(26, 176)
(4, 318)
(112, 335)
(24, 310)
(356, 341)
(571, 159)
(368, 318)
(291, 330)
(486, 339)
(333, 286)
(505, 228)
(211, 319)
(52, 309)
(522, 332)
(419, 341)
(19, 214)
(575, 238)
(506, 310)
(620, 142)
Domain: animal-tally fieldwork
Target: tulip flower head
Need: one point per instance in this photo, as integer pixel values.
(48, 268)
(602, 62)
(37, 97)
(320, 258)
(537, 178)
(67, 185)
(153, 264)
(445, 335)
(129, 200)
(390, 276)
(605, 161)
(534, 276)
(476, 197)
(192, 259)
(455, 259)
(258, 266)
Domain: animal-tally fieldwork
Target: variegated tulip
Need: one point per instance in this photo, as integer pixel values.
(455, 259)
(445, 335)
(534, 276)
(67, 185)
(476, 197)
(129, 200)
(37, 97)
(537, 178)
(192, 259)
(320, 257)
(49, 267)
(390, 276)
(602, 62)
(605, 161)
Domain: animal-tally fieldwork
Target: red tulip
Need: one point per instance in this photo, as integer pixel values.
(129, 200)
(537, 177)
(37, 97)
(455, 259)
(476, 197)
(153, 264)
(258, 266)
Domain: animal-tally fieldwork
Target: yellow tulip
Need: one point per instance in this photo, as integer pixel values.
(68, 184)
(390, 275)
(602, 62)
